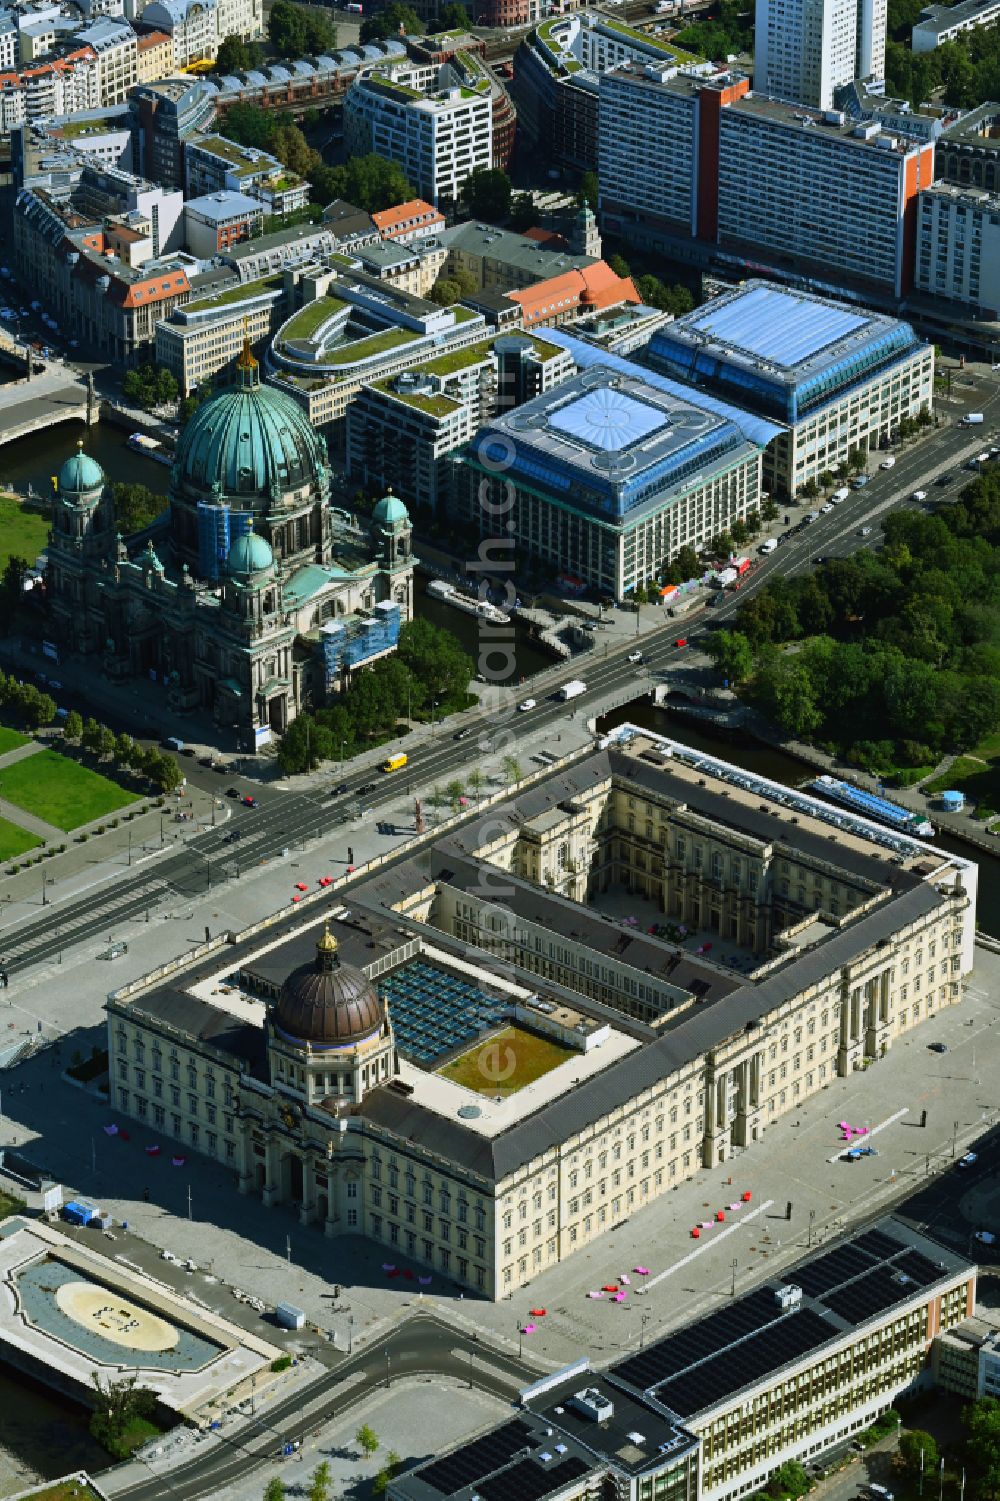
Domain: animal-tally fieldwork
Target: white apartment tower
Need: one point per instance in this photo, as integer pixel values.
(806, 49)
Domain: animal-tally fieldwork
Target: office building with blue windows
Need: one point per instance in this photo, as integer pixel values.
(837, 378)
(612, 472)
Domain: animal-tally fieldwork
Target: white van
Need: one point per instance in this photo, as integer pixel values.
(768, 547)
(889, 463)
(811, 516)
(172, 743)
(839, 495)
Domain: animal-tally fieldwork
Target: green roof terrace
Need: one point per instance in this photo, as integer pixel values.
(233, 295)
(310, 317)
(434, 404)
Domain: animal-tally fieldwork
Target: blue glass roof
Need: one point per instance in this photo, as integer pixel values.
(608, 420)
(754, 428)
(774, 325)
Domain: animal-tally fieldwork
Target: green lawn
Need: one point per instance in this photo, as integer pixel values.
(61, 791)
(506, 1062)
(977, 774)
(15, 841)
(9, 1204)
(23, 533)
(63, 1490)
(10, 740)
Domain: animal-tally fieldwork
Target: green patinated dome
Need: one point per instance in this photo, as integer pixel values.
(390, 510)
(250, 440)
(80, 476)
(249, 554)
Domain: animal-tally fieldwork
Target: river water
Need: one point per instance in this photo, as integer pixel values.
(42, 1435)
(767, 761)
(36, 459)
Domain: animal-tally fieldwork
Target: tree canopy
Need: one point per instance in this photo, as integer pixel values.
(370, 182)
(898, 655)
(428, 676)
(393, 20)
(135, 506)
(237, 56)
(295, 31)
(150, 386)
(486, 193)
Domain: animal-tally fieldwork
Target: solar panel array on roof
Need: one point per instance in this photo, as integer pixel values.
(714, 1358)
(883, 1285)
(481, 1457)
(717, 1332)
(778, 326)
(529, 1480)
(768, 1350)
(832, 1270)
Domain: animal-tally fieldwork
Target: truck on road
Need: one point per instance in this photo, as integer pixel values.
(572, 689)
(972, 419)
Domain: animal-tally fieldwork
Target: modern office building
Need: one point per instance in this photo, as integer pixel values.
(352, 331)
(613, 472)
(709, 1412)
(162, 117)
(968, 151)
(203, 340)
(250, 575)
(809, 189)
(216, 221)
(402, 431)
(836, 377)
(559, 70)
(804, 50)
(759, 181)
(958, 247)
(943, 23)
(214, 164)
(436, 122)
(320, 1055)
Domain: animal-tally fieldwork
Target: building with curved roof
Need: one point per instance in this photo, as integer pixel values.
(614, 470)
(250, 596)
(836, 376)
(557, 73)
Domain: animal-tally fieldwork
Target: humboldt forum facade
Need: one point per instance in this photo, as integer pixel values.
(541, 1017)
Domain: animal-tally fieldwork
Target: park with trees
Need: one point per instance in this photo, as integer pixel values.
(890, 659)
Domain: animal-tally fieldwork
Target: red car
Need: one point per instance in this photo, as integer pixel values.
(248, 802)
(681, 641)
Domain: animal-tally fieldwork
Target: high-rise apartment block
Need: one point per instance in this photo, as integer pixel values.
(958, 247)
(805, 49)
(808, 191)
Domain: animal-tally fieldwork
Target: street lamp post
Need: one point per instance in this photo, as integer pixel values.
(732, 1290)
(941, 1479)
(642, 1332)
(920, 1490)
(387, 1370)
(520, 1340)
(954, 1137)
(45, 882)
(812, 1218)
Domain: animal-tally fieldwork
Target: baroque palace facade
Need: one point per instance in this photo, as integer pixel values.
(326, 1058)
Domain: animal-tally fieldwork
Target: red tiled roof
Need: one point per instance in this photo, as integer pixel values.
(408, 215)
(595, 286)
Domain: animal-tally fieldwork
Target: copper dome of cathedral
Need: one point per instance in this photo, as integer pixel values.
(326, 1003)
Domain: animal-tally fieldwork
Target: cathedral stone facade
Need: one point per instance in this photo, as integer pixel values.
(253, 597)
